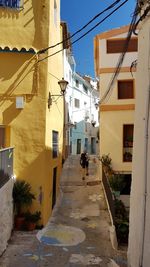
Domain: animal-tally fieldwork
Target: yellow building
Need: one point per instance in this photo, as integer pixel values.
(117, 110)
(27, 123)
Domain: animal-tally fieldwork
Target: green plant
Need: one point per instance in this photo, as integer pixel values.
(120, 210)
(121, 221)
(32, 217)
(22, 196)
(122, 231)
(106, 163)
(106, 160)
(116, 182)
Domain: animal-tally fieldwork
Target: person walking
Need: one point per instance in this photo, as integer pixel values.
(84, 162)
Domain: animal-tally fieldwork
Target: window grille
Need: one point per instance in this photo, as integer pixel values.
(55, 143)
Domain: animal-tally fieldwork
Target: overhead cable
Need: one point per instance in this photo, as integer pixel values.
(121, 58)
(91, 29)
(81, 29)
(146, 11)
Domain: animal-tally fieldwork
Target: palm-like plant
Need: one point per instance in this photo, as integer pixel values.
(22, 195)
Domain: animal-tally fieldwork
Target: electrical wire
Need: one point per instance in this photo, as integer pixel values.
(141, 18)
(121, 58)
(133, 65)
(91, 29)
(82, 28)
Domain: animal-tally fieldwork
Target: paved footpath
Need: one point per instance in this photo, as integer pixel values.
(77, 233)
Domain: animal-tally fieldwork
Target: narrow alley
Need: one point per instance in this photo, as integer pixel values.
(77, 233)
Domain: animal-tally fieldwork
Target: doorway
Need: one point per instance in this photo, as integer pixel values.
(78, 146)
(93, 145)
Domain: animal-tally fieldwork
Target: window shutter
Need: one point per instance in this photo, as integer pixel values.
(117, 46)
(125, 89)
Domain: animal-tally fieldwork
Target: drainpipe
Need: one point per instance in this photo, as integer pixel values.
(146, 162)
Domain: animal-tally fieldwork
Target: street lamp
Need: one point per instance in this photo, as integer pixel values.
(63, 85)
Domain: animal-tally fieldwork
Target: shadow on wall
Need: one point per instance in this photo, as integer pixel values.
(43, 173)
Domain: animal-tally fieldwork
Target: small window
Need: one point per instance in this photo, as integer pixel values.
(85, 88)
(127, 184)
(125, 89)
(55, 143)
(128, 142)
(11, 3)
(76, 103)
(118, 45)
(77, 83)
(55, 13)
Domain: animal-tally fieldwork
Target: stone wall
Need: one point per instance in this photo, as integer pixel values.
(6, 214)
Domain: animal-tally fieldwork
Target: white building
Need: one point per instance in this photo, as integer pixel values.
(139, 224)
(81, 119)
(84, 114)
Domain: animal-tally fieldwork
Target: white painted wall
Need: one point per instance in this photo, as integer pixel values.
(6, 214)
(109, 60)
(139, 240)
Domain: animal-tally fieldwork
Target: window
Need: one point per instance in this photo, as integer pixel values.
(55, 13)
(55, 143)
(117, 45)
(127, 142)
(127, 184)
(85, 88)
(77, 83)
(76, 103)
(125, 89)
(10, 3)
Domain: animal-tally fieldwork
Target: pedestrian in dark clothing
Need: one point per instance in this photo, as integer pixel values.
(84, 162)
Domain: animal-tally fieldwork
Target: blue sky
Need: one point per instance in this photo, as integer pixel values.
(78, 12)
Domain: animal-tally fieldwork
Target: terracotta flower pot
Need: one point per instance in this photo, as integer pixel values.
(19, 222)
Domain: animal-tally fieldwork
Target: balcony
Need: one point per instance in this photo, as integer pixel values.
(6, 165)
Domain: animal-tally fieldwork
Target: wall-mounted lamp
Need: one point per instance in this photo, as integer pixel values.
(63, 85)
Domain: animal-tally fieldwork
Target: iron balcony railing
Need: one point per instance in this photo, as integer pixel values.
(6, 165)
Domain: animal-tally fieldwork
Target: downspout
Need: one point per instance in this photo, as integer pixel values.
(145, 161)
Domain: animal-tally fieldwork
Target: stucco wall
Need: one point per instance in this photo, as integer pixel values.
(139, 235)
(111, 137)
(31, 127)
(6, 214)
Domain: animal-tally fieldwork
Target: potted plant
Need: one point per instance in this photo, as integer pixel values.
(22, 198)
(106, 163)
(31, 220)
(129, 141)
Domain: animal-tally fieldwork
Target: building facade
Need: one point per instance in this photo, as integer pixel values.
(117, 110)
(81, 114)
(139, 231)
(84, 115)
(27, 122)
